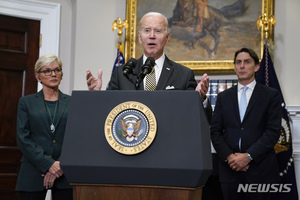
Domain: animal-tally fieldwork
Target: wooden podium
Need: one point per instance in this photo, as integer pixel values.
(176, 165)
(131, 192)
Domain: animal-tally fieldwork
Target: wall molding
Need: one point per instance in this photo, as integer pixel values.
(294, 111)
(47, 13)
(294, 114)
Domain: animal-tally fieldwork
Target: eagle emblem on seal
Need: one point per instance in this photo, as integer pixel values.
(130, 125)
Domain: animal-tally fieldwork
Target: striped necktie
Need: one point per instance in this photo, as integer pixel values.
(150, 83)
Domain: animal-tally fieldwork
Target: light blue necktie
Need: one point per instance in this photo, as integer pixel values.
(243, 107)
(243, 103)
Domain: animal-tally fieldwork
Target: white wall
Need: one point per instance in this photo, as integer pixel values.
(87, 40)
(286, 49)
(95, 40)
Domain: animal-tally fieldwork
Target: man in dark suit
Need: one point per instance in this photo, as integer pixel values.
(173, 77)
(245, 145)
(153, 35)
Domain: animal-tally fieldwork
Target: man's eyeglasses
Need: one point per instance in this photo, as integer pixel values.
(48, 72)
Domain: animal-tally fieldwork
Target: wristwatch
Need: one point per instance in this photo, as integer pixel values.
(249, 157)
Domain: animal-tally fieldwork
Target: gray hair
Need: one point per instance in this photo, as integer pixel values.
(155, 14)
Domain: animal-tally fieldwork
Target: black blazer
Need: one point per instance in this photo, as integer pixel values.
(173, 75)
(259, 133)
(40, 147)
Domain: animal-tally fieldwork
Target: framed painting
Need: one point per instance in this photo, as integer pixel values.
(203, 39)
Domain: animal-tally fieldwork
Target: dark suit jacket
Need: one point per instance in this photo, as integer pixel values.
(259, 132)
(40, 147)
(173, 74)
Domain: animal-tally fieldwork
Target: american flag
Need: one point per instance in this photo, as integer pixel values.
(120, 58)
(266, 75)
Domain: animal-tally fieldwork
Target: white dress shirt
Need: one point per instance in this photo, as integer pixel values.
(249, 91)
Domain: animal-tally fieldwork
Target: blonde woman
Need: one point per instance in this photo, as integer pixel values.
(41, 123)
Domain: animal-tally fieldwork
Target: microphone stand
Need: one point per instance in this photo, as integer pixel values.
(128, 69)
(138, 82)
(129, 78)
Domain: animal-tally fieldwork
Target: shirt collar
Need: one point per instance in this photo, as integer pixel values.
(250, 85)
(159, 62)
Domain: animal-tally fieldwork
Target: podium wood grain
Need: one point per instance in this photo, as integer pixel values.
(132, 192)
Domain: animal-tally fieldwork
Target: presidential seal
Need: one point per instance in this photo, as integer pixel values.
(130, 128)
(284, 144)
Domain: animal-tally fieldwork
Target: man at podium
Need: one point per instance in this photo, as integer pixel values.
(153, 35)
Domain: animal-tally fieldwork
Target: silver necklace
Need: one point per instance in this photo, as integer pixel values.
(52, 127)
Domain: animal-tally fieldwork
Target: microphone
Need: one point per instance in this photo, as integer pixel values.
(129, 67)
(146, 69)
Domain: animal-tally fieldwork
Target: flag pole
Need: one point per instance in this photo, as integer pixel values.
(267, 20)
(117, 24)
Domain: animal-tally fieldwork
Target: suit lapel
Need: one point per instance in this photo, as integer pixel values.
(234, 100)
(254, 97)
(40, 106)
(138, 70)
(166, 72)
(61, 106)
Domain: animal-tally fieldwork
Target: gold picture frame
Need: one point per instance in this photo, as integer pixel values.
(211, 65)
